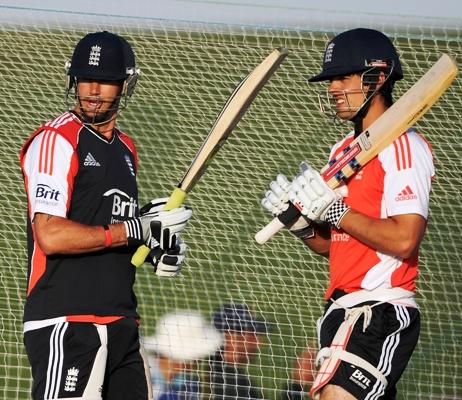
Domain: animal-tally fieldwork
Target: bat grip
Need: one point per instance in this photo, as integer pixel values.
(266, 233)
(140, 255)
(284, 219)
(175, 200)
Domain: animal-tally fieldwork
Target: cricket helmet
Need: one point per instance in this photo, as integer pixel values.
(102, 56)
(105, 57)
(358, 50)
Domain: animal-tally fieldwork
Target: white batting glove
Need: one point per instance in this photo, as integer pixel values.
(276, 201)
(155, 227)
(169, 263)
(315, 199)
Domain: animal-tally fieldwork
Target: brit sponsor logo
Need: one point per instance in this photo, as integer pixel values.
(340, 237)
(360, 379)
(406, 194)
(123, 205)
(90, 161)
(46, 193)
(71, 379)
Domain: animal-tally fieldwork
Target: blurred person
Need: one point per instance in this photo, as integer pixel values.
(243, 334)
(181, 339)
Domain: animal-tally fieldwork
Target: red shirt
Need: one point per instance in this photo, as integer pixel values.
(396, 182)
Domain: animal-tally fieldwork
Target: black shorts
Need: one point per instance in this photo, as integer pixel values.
(87, 361)
(387, 344)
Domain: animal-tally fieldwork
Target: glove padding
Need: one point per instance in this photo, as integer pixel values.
(155, 227)
(276, 201)
(168, 263)
(315, 199)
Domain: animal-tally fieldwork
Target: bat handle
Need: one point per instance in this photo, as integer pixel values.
(140, 255)
(176, 199)
(266, 233)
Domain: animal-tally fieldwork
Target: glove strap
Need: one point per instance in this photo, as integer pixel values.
(335, 214)
(302, 228)
(134, 232)
(289, 216)
(305, 233)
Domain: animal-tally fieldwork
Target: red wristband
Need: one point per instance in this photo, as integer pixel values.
(108, 239)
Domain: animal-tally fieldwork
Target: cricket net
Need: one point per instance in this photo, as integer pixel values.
(188, 71)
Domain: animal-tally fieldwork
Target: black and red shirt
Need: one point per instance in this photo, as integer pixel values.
(71, 171)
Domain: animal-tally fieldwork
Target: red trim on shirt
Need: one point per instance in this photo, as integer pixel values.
(96, 319)
(129, 143)
(38, 265)
(408, 150)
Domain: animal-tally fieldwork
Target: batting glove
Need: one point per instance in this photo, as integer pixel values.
(315, 199)
(168, 263)
(155, 227)
(276, 201)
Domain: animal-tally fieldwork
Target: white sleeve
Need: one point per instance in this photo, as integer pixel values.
(409, 169)
(48, 179)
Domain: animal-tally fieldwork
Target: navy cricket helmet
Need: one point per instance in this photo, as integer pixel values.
(359, 50)
(102, 56)
(237, 317)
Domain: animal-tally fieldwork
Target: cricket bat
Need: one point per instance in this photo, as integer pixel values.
(232, 112)
(408, 109)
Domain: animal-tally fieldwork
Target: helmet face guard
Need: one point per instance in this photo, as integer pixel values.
(369, 80)
(105, 57)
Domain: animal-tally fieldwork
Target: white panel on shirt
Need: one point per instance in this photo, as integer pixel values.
(379, 276)
(48, 193)
(407, 190)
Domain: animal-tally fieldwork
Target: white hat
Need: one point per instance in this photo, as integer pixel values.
(184, 336)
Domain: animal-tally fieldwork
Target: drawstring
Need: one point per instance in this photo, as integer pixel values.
(353, 312)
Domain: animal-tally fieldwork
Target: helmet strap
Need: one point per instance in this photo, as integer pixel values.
(359, 117)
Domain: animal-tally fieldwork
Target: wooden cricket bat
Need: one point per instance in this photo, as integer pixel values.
(232, 112)
(408, 109)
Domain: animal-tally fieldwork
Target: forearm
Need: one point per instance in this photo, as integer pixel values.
(57, 235)
(398, 236)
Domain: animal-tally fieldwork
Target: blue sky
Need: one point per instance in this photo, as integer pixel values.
(283, 13)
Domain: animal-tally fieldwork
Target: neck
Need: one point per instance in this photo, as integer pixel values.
(105, 128)
(376, 109)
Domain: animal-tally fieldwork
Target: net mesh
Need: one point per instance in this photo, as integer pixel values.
(188, 71)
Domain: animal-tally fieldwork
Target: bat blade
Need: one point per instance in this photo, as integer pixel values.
(232, 112)
(408, 109)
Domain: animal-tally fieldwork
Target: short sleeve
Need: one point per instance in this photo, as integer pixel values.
(47, 173)
(409, 170)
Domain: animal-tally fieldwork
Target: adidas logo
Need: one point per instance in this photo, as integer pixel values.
(406, 194)
(90, 161)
